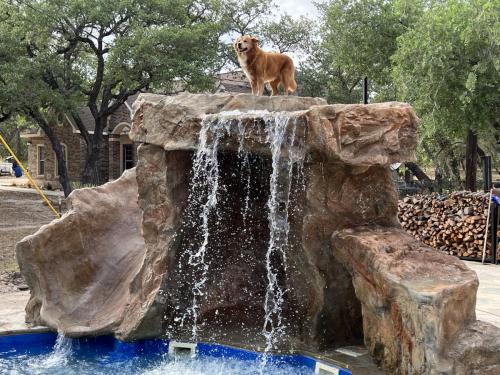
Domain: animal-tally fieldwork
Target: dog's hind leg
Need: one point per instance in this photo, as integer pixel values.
(255, 87)
(260, 87)
(274, 86)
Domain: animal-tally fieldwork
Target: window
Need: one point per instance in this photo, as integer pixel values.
(60, 119)
(56, 163)
(127, 156)
(41, 160)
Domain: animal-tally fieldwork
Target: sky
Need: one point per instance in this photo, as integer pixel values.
(298, 8)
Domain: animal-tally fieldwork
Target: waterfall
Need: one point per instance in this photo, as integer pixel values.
(285, 154)
(279, 133)
(205, 183)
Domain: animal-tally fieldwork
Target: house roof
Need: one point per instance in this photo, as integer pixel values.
(235, 82)
(88, 119)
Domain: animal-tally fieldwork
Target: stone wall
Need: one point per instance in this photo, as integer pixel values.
(73, 144)
(114, 156)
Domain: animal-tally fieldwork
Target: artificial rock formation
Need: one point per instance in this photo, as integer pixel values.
(414, 299)
(228, 183)
(79, 267)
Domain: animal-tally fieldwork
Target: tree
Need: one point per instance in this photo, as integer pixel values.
(100, 53)
(288, 34)
(23, 92)
(447, 66)
(359, 38)
(11, 129)
(245, 17)
(320, 75)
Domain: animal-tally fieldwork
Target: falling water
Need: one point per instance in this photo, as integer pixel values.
(279, 133)
(59, 356)
(246, 171)
(205, 183)
(281, 140)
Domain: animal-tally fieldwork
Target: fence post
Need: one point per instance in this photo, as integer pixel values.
(365, 90)
(487, 177)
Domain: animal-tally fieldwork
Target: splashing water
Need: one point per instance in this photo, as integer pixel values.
(204, 193)
(107, 359)
(281, 140)
(60, 354)
(279, 133)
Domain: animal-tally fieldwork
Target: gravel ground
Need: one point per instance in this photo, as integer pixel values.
(21, 214)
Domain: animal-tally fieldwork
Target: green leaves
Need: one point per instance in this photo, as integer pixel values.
(98, 52)
(288, 34)
(448, 63)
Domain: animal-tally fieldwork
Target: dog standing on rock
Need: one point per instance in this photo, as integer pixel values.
(261, 67)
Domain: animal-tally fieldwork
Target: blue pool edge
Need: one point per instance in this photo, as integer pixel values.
(35, 343)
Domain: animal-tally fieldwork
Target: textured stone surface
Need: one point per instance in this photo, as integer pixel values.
(79, 268)
(418, 304)
(375, 134)
(162, 196)
(320, 306)
(475, 351)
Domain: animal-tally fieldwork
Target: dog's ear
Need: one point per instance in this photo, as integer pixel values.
(255, 40)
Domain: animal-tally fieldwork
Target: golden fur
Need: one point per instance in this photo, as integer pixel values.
(261, 67)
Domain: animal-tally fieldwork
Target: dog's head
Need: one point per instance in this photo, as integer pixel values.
(245, 43)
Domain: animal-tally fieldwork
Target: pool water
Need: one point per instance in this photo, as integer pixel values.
(38, 354)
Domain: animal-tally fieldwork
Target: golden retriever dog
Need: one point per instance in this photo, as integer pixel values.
(261, 67)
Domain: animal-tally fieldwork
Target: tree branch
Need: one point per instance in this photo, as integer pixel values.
(81, 127)
(420, 174)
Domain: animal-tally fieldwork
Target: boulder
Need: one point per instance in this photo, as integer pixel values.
(418, 304)
(354, 134)
(475, 350)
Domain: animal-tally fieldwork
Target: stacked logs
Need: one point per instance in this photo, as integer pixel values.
(454, 223)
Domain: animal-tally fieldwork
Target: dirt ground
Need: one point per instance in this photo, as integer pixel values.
(21, 214)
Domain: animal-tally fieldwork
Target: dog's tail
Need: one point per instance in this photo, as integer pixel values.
(293, 84)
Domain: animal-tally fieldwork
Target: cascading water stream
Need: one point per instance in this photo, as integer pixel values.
(285, 155)
(60, 354)
(205, 182)
(279, 134)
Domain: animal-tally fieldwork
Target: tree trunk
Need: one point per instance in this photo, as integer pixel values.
(420, 175)
(438, 178)
(471, 161)
(408, 176)
(455, 170)
(56, 146)
(91, 174)
(62, 169)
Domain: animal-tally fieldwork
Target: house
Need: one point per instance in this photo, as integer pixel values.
(234, 82)
(119, 152)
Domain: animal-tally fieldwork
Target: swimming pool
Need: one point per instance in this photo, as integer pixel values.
(47, 353)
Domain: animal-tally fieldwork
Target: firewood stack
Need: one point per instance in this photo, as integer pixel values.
(454, 224)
